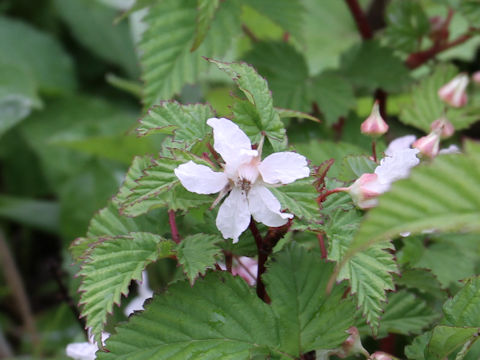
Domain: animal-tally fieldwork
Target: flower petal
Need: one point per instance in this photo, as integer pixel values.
(399, 144)
(81, 351)
(283, 168)
(231, 142)
(200, 179)
(265, 207)
(233, 216)
(396, 167)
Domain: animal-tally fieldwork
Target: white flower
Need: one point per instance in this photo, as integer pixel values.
(144, 293)
(246, 177)
(85, 350)
(397, 163)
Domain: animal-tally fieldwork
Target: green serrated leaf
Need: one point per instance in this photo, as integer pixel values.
(287, 113)
(369, 272)
(167, 61)
(471, 10)
(219, 317)
(256, 90)
(442, 195)
(205, 12)
(353, 166)
(405, 314)
(407, 24)
(299, 198)
(447, 339)
(309, 319)
(371, 66)
(110, 268)
(333, 94)
(464, 308)
(197, 253)
(425, 105)
(422, 280)
(288, 14)
(188, 123)
(416, 350)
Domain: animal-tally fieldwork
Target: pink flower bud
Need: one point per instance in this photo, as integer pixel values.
(453, 92)
(374, 125)
(363, 191)
(352, 345)
(476, 77)
(428, 145)
(443, 126)
(380, 355)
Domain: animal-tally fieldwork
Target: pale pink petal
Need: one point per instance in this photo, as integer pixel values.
(231, 142)
(265, 207)
(398, 166)
(283, 168)
(81, 351)
(400, 143)
(233, 216)
(452, 149)
(200, 179)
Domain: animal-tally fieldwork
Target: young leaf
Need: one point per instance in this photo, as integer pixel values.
(110, 268)
(464, 308)
(426, 106)
(187, 123)
(256, 90)
(309, 319)
(167, 61)
(442, 195)
(205, 13)
(353, 166)
(446, 339)
(197, 253)
(298, 197)
(369, 272)
(220, 315)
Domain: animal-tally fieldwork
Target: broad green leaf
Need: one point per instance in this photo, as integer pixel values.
(18, 95)
(39, 214)
(256, 90)
(167, 61)
(369, 65)
(416, 350)
(405, 314)
(425, 105)
(299, 198)
(196, 253)
(37, 54)
(110, 268)
(422, 280)
(287, 113)
(447, 339)
(136, 171)
(471, 10)
(205, 12)
(442, 195)
(464, 308)
(188, 123)
(354, 166)
(157, 186)
(287, 76)
(288, 14)
(333, 94)
(369, 272)
(407, 23)
(91, 22)
(219, 316)
(309, 319)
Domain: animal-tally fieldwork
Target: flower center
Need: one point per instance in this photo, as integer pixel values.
(247, 174)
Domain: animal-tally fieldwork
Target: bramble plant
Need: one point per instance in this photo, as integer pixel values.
(303, 181)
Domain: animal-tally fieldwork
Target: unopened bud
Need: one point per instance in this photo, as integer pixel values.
(363, 191)
(380, 355)
(454, 92)
(476, 77)
(353, 344)
(443, 126)
(428, 145)
(374, 125)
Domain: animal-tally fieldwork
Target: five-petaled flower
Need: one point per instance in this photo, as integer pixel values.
(246, 176)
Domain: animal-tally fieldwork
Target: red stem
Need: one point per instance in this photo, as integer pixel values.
(374, 150)
(262, 259)
(360, 19)
(327, 193)
(323, 248)
(228, 261)
(173, 226)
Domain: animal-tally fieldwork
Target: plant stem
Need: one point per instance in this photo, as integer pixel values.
(228, 261)
(360, 19)
(262, 259)
(173, 226)
(374, 150)
(321, 198)
(323, 248)
(14, 281)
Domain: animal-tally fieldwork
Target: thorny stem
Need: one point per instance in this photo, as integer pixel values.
(14, 281)
(57, 275)
(173, 226)
(360, 19)
(323, 247)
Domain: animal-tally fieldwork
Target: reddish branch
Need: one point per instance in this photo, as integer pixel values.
(360, 19)
(323, 247)
(173, 226)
